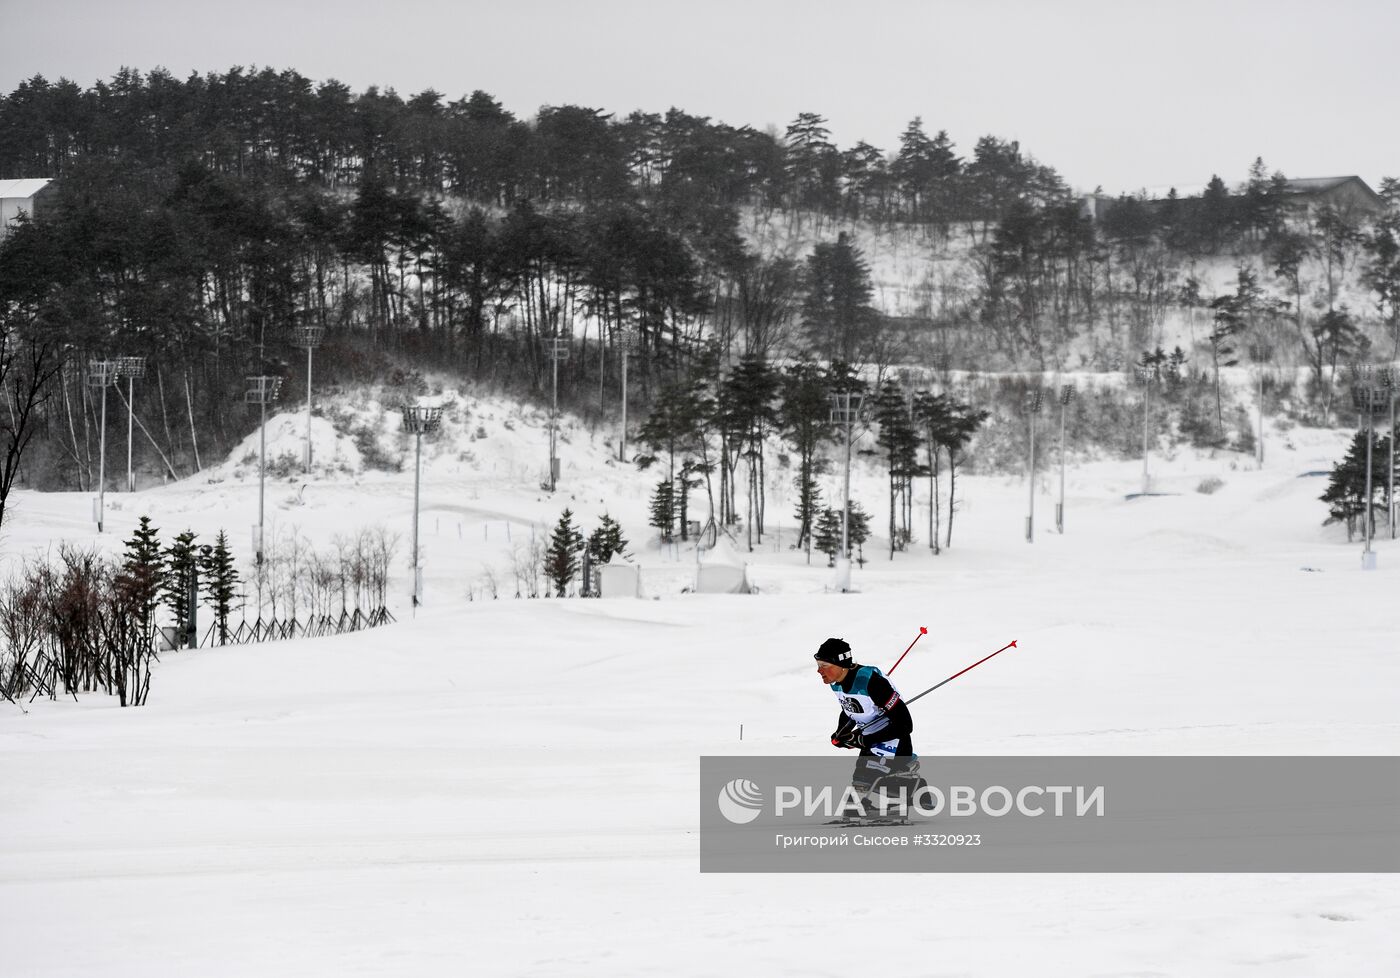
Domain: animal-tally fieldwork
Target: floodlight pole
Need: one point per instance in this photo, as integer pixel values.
(101, 373)
(622, 440)
(418, 420)
(1033, 403)
(264, 388)
(130, 368)
(310, 352)
(1066, 395)
(417, 483)
(558, 350)
(308, 337)
(102, 465)
(1148, 374)
(262, 470)
(130, 417)
(1390, 474)
(1390, 470)
(1389, 378)
(628, 343)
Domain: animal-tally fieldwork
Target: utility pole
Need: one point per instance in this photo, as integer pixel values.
(627, 345)
(558, 350)
(261, 390)
(132, 368)
(101, 374)
(1390, 380)
(308, 336)
(845, 410)
(1066, 395)
(419, 420)
(1149, 371)
(1033, 402)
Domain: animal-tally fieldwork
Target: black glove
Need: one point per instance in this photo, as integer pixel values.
(845, 737)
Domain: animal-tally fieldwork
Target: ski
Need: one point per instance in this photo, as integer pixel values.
(868, 821)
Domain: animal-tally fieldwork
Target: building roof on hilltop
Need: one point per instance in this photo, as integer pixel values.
(1314, 184)
(1301, 185)
(21, 189)
(1182, 190)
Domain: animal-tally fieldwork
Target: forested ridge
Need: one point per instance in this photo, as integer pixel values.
(200, 222)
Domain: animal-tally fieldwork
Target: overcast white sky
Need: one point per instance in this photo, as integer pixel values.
(1118, 93)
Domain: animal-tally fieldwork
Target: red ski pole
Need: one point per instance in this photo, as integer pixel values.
(955, 675)
(922, 632)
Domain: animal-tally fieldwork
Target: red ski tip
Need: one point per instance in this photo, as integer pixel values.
(1013, 643)
(923, 630)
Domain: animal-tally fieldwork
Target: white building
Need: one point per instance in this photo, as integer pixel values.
(18, 197)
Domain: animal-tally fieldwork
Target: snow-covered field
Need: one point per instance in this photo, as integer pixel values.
(510, 787)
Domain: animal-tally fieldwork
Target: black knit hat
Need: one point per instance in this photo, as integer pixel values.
(835, 651)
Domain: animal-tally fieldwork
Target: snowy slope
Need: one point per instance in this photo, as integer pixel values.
(509, 787)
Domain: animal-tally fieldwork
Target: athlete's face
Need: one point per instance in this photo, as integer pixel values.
(830, 672)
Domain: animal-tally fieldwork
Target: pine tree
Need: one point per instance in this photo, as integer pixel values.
(963, 422)
(811, 163)
(678, 425)
(749, 413)
(663, 510)
(827, 536)
(1382, 272)
(561, 560)
(809, 497)
(686, 481)
(900, 442)
(837, 314)
(931, 416)
(606, 541)
(1335, 337)
(142, 574)
(1346, 489)
(805, 416)
(1214, 213)
(181, 569)
(926, 172)
(220, 583)
(859, 530)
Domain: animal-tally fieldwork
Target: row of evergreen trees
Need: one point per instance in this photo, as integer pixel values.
(203, 222)
(176, 577)
(568, 548)
(280, 127)
(705, 427)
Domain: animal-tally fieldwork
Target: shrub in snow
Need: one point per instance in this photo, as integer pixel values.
(372, 453)
(1209, 484)
(77, 625)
